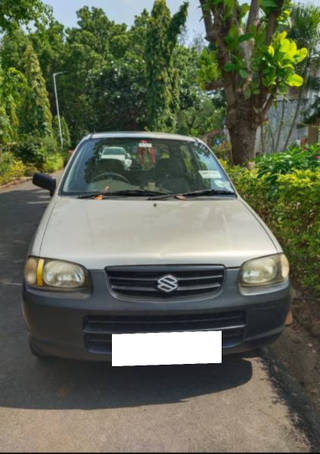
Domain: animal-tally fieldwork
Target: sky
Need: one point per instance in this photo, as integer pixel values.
(123, 11)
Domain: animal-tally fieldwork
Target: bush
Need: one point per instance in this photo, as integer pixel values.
(282, 163)
(292, 213)
(223, 151)
(31, 151)
(40, 153)
(297, 223)
(10, 168)
(53, 163)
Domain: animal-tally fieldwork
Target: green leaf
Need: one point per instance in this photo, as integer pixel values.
(294, 80)
(244, 9)
(265, 4)
(247, 92)
(228, 67)
(245, 37)
(302, 54)
(271, 50)
(243, 73)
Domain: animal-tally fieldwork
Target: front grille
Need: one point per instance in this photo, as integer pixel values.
(98, 330)
(143, 281)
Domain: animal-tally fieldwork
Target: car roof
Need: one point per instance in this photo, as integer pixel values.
(141, 134)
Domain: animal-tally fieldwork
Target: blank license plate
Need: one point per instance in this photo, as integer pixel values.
(155, 349)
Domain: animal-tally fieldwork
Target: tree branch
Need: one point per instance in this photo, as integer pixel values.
(253, 17)
(215, 85)
(208, 22)
(216, 32)
(272, 22)
(266, 107)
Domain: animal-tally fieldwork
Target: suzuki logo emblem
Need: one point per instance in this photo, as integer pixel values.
(167, 283)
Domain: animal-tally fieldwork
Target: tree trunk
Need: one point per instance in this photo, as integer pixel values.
(243, 139)
(313, 133)
(263, 145)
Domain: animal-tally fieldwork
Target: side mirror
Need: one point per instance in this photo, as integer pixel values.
(44, 181)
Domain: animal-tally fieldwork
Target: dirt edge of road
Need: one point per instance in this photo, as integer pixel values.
(15, 182)
(294, 367)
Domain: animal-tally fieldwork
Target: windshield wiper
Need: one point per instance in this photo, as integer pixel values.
(202, 192)
(127, 192)
(208, 192)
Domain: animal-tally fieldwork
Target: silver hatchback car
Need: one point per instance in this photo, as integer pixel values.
(157, 242)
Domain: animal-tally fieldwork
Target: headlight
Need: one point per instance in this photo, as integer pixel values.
(55, 274)
(264, 271)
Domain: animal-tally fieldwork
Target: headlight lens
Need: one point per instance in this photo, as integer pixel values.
(55, 274)
(264, 271)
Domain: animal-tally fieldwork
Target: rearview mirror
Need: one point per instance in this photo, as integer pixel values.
(44, 181)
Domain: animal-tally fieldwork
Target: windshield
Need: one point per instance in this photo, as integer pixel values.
(128, 164)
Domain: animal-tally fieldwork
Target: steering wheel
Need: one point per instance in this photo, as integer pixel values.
(113, 175)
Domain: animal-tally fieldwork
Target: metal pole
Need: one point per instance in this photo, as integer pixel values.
(57, 104)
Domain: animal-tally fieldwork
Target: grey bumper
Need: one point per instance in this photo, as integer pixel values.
(79, 325)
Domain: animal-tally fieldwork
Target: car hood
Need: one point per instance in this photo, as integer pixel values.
(99, 233)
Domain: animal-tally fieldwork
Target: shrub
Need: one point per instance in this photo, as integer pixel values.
(294, 158)
(53, 163)
(10, 168)
(223, 151)
(292, 213)
(296, 221)
(31, 151)
(40, 153)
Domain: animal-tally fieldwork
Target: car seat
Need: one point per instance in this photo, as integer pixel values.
(170, 173)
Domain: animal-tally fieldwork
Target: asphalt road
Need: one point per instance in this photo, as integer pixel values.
(60, 405)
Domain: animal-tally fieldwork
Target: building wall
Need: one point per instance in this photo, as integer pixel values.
(280, 119)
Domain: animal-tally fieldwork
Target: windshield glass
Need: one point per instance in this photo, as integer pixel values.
(128, 164)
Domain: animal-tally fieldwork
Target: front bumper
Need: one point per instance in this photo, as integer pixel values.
(79, 325)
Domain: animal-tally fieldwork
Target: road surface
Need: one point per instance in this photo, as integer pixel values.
(60, 405)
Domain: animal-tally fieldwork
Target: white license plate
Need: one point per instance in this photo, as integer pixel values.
(153, 349)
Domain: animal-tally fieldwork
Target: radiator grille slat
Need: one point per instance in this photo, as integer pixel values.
(142, 282)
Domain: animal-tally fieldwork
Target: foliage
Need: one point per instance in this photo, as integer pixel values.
(298, 223)
(292, 213)
(6, 131)
(94, 55)
(253, 59)
(19, 11)
(10, 168)
(305, 26)
(209, 70)
(36, 117)
(35, 150)
(278, 64)
(65, 133)
(305, 30)
(118, 94)
(283, 163)
(162, 78)
(53, 162)
(12, 88)
(29, 150)
(200, 118)
(223, 150)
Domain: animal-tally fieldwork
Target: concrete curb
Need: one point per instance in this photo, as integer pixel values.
(14, 182)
